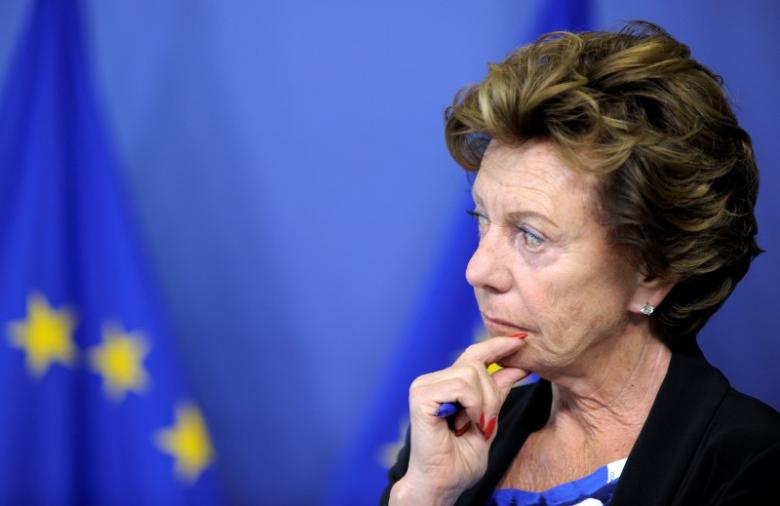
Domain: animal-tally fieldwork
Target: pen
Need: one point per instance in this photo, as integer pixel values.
(447, 409)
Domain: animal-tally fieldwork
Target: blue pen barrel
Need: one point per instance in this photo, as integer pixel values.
(447, 409)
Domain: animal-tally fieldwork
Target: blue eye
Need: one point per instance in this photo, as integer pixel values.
(532, 239)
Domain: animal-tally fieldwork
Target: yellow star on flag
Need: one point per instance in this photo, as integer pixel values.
(46, 335)
(120, 360)
(188, 442)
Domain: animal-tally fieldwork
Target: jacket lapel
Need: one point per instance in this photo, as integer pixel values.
(686, 402)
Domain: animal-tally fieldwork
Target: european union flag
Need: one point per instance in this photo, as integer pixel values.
(447, 322)
(94, 407)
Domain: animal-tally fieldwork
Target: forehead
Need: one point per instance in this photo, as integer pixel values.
(534, 177)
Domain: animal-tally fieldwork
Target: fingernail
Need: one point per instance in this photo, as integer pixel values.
(520, 335)
(482, 422)
(491, 426)
(463, 430)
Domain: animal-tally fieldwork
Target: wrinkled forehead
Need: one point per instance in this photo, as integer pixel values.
(533, 173)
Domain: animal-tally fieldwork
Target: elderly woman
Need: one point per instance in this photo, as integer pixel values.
(614, 196)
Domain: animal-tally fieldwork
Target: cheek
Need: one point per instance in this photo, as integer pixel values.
(543, 287)
(561, 311)
(554, 304)
(572, 311)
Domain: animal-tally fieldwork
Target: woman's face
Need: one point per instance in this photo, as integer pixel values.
(544, 264)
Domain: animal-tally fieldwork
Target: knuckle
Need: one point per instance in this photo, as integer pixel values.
(470, 350)
(423, 379)
(477, 368)
(460, 384)
(415, 389)
(472, 370)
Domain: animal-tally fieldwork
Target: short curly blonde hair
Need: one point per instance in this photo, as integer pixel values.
(677, 177)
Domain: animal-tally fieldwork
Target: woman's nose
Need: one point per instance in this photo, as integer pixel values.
(489, 265)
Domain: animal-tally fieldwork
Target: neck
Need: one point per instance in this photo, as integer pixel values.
(610, 397)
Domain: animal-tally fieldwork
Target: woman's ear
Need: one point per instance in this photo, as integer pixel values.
(650, 292)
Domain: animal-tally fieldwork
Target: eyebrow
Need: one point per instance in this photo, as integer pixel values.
(518, 215)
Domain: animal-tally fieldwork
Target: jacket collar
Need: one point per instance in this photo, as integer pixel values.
(686, 402)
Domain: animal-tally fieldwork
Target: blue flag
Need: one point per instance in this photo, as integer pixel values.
(447, 322)
(94, 407)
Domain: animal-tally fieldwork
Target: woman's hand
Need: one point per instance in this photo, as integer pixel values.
(448, 458)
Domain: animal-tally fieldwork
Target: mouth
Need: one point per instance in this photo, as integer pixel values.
(499, 327)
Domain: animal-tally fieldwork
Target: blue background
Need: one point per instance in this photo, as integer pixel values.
(287, 170)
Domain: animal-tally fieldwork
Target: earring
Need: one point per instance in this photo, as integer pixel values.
(647, 309)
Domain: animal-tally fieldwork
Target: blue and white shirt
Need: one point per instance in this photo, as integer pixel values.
(595, 489)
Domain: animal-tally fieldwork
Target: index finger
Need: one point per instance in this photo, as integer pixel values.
(491, 350)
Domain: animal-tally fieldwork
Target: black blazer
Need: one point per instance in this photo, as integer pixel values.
(703, 442)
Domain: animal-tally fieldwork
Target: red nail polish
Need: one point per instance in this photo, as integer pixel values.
(520, 335)
(491, 426)
(482, 422)
(463, 430)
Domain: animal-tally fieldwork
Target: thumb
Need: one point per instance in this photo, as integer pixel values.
(507, 377)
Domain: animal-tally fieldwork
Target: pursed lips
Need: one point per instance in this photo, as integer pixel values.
(502, 326)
